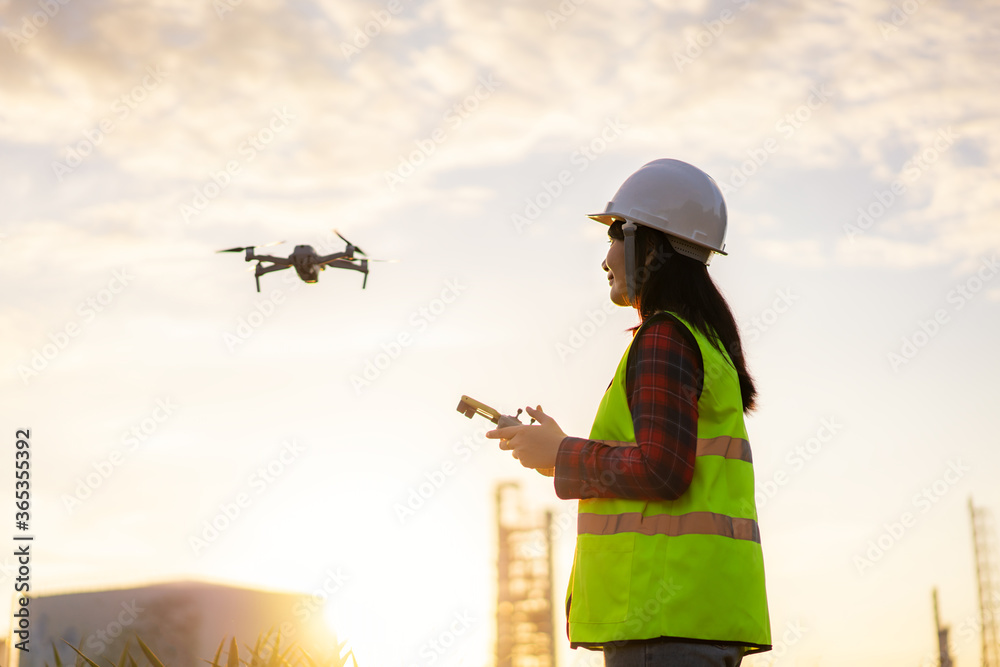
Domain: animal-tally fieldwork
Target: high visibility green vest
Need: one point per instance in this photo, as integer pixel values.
(690, 568)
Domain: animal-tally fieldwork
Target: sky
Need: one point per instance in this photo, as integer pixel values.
(856, 143)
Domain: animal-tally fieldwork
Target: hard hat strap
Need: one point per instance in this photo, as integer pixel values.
(629, 231)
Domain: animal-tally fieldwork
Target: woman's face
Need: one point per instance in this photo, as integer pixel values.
(614, 266)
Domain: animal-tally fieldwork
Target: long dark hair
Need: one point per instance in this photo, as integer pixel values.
(679, 284)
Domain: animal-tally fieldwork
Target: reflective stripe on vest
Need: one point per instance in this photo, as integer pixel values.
(692, 567)
(692, 523)
(726, 447)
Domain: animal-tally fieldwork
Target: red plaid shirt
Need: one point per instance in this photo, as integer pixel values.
(663, 380)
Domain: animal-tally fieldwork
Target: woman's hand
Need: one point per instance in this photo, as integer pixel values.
(536, 445)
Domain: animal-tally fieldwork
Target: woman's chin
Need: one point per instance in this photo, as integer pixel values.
(617, 296)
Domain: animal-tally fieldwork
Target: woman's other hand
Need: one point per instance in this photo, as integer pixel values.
(535, 445)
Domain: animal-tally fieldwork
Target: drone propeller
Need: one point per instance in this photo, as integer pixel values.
(360, 251)
(251, 247)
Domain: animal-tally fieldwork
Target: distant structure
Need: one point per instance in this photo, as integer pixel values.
(524, 583)
(183, 622)
(944, 659)
(984, 541)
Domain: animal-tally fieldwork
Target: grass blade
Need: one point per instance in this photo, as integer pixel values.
(124, 655)
(234, 654)
(149, 653)
(88, 660)
(218, 652)
(55, 654)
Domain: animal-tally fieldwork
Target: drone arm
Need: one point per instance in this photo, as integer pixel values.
(345, 264)
(326, 259)
(261, 270)
(284, 262)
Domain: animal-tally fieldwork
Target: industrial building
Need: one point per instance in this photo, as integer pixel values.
(182, 622)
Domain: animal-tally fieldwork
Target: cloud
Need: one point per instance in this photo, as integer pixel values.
(892, 253)
(804, 253)
(175, 92)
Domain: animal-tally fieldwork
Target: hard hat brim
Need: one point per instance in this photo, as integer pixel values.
(603, 218)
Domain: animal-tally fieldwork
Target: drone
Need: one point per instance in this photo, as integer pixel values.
(307, 262)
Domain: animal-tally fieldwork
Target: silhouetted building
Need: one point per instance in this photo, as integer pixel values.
(524, 583)
(182, 622)
(944, 650)
(984, 543)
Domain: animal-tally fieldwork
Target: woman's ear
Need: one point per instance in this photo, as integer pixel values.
(658, 255)
(652, 253)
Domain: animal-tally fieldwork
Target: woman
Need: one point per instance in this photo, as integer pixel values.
(668, 567)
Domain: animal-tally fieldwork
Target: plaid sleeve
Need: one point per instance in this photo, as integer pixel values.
(663, 381)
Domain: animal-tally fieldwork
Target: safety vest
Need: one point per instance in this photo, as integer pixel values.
(689, 568)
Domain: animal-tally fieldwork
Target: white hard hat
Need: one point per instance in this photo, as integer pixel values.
(678, 199)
